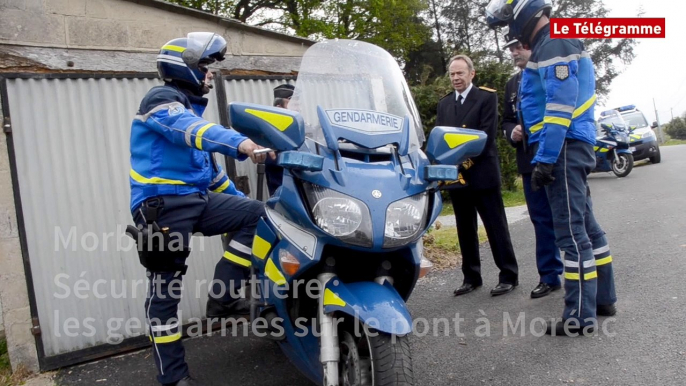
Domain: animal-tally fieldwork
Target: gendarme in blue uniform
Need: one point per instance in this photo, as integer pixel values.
(557, 93)
(171, 145)
(557, 99)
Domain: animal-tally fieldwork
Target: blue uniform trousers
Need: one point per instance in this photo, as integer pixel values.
(209, 214)
(589, 280)
(548, 260)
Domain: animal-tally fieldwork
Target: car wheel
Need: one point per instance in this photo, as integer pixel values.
(656, 158)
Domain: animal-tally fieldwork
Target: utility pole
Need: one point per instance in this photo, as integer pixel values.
(671, 110)
(659, 126)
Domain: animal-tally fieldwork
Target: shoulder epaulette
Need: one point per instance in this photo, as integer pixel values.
(486, 89)
(447, 95)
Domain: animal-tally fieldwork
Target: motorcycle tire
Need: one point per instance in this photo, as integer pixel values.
(382, 359)
(623, 164)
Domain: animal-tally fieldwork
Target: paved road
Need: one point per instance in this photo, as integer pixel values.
(644, 215)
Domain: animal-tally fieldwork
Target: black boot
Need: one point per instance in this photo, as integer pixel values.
(187, 381)
(560, 328)
(610, 310)
(238, 309)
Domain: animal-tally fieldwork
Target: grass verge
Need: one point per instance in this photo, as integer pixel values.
(510, 198)
(672, 141)
(7, 377)
(442, 247)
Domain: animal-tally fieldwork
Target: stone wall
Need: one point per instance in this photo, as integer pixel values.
(129, 25)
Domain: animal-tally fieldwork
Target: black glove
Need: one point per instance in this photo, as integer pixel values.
(542, 176)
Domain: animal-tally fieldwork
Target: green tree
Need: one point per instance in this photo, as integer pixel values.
(676, 128)
(394, 25)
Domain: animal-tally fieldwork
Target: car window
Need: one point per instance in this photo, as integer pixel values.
(635, 118)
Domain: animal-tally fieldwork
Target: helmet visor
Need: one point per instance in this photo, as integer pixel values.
(500, 10)
(207, 45)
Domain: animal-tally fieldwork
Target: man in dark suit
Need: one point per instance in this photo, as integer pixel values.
(548, 260)
(477, 108)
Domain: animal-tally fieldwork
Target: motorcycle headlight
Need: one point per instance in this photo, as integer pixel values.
(340, 215)
(404, 220)
(647, 135)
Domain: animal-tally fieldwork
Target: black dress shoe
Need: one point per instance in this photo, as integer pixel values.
(543, 289)
(238, 309)
(465, 289)
(502, 289)
(560, 328)
(610, 310)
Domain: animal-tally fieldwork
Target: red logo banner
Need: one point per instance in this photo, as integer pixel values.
(587, 28)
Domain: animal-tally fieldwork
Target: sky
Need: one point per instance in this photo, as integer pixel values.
(656, 71)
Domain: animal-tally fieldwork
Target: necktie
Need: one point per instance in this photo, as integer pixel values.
(459, 99)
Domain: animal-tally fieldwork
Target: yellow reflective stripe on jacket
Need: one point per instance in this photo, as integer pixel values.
(558, 121)
(166, 339)
(174, 48)
(223, 186)
(536, 127)
(604, 260)
(587, 105)
(198, 135)
(237, 259)
(153, 180)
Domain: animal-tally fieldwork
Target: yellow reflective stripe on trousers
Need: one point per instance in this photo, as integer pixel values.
(536, 127)
(576, 276)
(237, 259)
(558, 121)
(198, 135)
(587, 105)
(260, 247)
(604, 260)
(166, 339)
(223, 186)
(153, 180)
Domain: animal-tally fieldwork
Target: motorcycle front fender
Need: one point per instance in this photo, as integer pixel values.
(377, 306)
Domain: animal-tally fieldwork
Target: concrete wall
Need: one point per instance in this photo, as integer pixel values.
(14, 299)
(136, 25)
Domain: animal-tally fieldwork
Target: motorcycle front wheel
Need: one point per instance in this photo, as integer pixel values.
(372, 358)
(622, 164)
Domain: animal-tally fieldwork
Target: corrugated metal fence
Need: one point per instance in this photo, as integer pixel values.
(71, 139)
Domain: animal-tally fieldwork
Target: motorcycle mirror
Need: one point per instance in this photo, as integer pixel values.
(451, 146)
(273, 127)
(654, 125)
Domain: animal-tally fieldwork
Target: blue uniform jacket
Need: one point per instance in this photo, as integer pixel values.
(171, 147)
(557, 95)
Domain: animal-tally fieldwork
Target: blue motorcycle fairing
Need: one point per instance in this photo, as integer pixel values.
(333, 132)
(375, 305)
